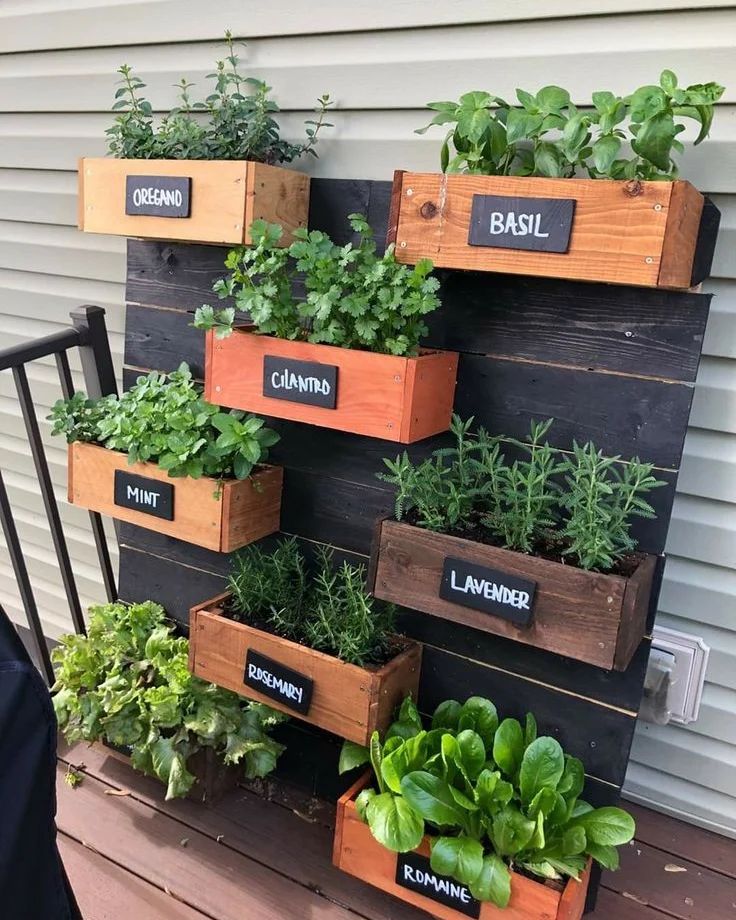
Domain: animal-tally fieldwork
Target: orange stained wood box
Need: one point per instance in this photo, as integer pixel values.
(348, 700)
(222, 516)
(226, 197)
(383, 396)
(358, 853)
(589, 616)
(623, 232)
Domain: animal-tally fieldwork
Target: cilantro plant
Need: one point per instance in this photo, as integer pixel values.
(326, 608)
(547, 135)
(354, 297)
(165, 420)
(235, 122)
(492, 797)
(128, 682)
(580, 505)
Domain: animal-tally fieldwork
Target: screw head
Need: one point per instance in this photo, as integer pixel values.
(657, 207)
(409, 192)
(218, 389)
(389, 424)
(649, 260)
(628, 334)
(397, 378)
(403, 244)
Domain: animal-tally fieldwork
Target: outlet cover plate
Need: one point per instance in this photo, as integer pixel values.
(688, 673)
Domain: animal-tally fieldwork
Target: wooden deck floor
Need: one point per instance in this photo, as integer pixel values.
(129, 854)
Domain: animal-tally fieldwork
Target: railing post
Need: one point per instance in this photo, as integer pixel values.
(99, 372)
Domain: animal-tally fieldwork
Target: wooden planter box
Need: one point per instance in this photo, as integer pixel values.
(214, 777)
(205, 201)
(382, 396)
(622, 232)
(342, 698)
(589, 616)
(219, 516)
(358, 853)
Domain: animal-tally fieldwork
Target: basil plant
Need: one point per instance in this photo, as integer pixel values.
(492, 797)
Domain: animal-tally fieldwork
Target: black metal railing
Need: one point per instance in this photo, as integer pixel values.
(88, 333)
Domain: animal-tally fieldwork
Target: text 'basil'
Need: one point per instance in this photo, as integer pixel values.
(277, 682)
(414, 872)
(541, 224)
(489, 590)
(149, 496)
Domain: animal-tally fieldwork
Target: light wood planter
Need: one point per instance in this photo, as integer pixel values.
(225, 197)
(588, 616)
(222, 517)
(358, 853)
(623, 232)
(382, 396)
(349, 701)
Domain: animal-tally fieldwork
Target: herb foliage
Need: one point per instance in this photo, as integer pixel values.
(547, 135)
(165, 420)
(128, 682)
(327, 609)
(235, 122)
(354, 297)
(492, 796)
(581, 503)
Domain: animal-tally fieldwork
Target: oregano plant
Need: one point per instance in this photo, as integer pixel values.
(236, 121)
(546, 134)
(355, 298)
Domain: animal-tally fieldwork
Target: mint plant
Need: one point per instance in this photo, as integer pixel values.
(327, 609)
(127, 682)
(354, 297)
(493, 798)
(164, 419)
(547, 135)
(579, 505)
(235, 122)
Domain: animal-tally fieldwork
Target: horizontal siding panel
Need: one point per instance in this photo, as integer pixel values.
(681, 798)
(709, 465)
(699, 591)
(36, 196)
(61, 251)
(365, 145)
(714, 402)
(717, 717)
(673, 750)
(405, 69)
(722, 659)
(720, 333)
(703, 529)
(112, 22)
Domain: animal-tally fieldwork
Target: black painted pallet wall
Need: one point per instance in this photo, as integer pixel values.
(611, 364)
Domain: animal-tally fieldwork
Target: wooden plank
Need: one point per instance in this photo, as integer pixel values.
(207, 876)
(680, 261)
(219, 517)
(613, 906)
(684, 841)
(293, 840)
(104, 889)
(345, 698)
(618, 230)
(643, 332)
(225, 197)
(622, 415)
(587, 616)
(695, 894)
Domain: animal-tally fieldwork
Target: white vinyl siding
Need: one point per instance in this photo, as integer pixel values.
(381, 62)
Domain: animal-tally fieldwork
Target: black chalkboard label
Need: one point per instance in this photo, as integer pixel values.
(278, 682)
(415, 873)
(148, 496)
(158, 196)
(542, 224)
(488, 589)
(300, 381)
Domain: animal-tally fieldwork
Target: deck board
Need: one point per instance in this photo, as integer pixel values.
(273, 861)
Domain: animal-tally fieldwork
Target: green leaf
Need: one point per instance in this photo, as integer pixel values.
(352, 755)
(511, 831)
(394, 823)
(542, 767)
(494, 882)
(573, 841)
(605, 151)
(607, 826)
(480, 715)
(471, 753)
(607, 856)
(447, 715)
(460, 858)
(508, 746)
(430, 797)
(668, 81)
(654, 140)
(552, 99)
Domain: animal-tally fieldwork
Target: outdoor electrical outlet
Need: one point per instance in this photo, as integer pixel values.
(687, 671)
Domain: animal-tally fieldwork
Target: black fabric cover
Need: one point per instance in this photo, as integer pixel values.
(33, 884)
